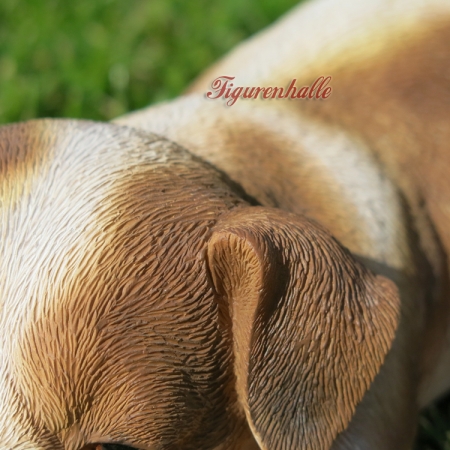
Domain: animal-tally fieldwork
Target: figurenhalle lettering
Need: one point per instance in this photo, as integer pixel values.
(222, 87)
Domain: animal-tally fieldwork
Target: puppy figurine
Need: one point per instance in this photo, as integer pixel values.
(279, 285)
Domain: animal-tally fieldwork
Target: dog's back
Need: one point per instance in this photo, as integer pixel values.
(390, 69)
(370, 162)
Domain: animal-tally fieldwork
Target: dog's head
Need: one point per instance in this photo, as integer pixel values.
(144, 303)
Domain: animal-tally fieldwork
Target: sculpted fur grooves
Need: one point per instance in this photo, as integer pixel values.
(306, 294)
(104, 330)
(147, 300)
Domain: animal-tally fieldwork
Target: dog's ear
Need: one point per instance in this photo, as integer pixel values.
(310, 325)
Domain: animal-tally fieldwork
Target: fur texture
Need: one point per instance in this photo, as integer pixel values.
(285, 288)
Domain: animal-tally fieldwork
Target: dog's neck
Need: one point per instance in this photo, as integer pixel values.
(296, 164)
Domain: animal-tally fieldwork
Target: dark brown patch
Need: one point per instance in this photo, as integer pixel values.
(21, 146)
(27, 150)
(131, 347)
(308, 348)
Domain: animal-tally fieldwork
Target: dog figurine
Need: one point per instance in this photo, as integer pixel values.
(281, 284)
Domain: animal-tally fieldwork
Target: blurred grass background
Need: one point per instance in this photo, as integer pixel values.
(99, 59)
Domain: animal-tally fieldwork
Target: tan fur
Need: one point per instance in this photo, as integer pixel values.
(274, 156)
(95, 344)
(114, 310)
(147, 300)
(298, 294)
(393, 94)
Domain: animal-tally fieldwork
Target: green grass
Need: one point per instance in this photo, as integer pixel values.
(434, 427)
(98, 59)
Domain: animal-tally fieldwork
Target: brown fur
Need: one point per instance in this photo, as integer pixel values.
(398, 102)
(302, 294)
(390, 98)
(147, 300)
(127, 336)
(396, 99)
(129, 339)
